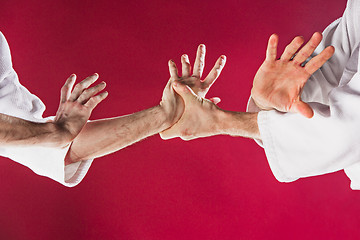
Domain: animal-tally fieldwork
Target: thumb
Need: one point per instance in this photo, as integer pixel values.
(184, 91)
(302, 108)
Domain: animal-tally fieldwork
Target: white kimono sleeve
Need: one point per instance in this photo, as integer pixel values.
(17, 101)
(298, 147)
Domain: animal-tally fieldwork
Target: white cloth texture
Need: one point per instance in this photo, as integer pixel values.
(298, 147)
(17, 101)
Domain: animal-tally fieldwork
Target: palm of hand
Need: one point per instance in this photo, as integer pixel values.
(278, 85)
(279, 82)
(199, 87)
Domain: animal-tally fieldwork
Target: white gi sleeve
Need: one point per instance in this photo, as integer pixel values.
(17, 101)
(298, 147)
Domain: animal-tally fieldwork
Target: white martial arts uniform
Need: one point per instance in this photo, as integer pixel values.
(298, 147)
(17, 101)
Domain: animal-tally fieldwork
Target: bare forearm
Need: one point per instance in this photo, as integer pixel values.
(241, 124)
(101, 137)
(19, 132)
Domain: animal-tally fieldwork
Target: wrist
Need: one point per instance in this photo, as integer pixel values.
(259, 102)
(167, 117)
(161, 119)
(242, 124)
(59, 136)
(221, 119)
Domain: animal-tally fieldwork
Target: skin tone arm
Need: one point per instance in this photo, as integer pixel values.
(202, 118)
(74, 111)
(102, 137)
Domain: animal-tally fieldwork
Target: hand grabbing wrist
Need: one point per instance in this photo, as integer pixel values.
(187, 127)
(167, 116)
(60, 136)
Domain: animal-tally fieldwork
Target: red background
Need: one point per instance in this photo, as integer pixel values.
(213, 188)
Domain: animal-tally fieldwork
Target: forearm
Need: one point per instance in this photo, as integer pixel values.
(19, 132)
(243, 124)
(101, 137)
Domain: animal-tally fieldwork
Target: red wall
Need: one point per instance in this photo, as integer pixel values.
(213, 188)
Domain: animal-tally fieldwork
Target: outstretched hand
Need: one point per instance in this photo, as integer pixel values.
(278, 82)
(76, 105)
(198, 86)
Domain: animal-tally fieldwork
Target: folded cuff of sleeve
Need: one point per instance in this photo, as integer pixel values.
(252, 107)
(270, 148)
(49, 162)
(266, 142)
(75, 172)
(353, 173)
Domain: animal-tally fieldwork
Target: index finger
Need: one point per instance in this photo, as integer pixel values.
(173, 70)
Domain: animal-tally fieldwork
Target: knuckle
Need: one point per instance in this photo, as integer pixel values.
(97, 98)
(78, 87)
(85, 83)
(304, 54)
(91, 101)
(295, 62)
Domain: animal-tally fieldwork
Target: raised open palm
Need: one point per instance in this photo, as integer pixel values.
(278, 82)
